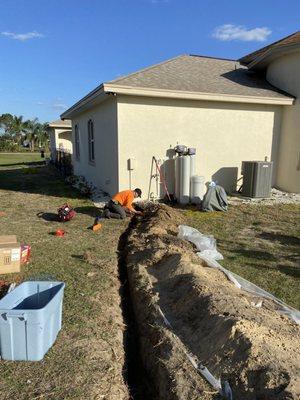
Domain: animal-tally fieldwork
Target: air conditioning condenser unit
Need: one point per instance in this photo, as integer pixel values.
(257, 178)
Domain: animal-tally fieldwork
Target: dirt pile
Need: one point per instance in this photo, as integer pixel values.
(255, 349)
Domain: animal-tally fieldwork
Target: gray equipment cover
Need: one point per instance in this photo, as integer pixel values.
(215, 199)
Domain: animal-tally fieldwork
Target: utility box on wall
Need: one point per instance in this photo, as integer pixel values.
(131, 164)
(257, 178)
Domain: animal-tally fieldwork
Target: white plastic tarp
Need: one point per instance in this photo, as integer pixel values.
(206, 245)
(200, 241)
(215, 382)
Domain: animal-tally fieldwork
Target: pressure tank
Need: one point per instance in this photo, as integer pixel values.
(191, 151)
(192, 165)
(181, 149)
(192, 170)
(185, 180)
(177, 177)
(169, 172)
(197, 189)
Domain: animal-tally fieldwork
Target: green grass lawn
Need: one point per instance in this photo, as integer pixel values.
(260, 243)
(87, 358)
(16, 159)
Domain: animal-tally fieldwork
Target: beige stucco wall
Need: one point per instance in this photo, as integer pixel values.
(224, 134)
(61, 138)
(64, 140)
(103, 173)
(284, 73)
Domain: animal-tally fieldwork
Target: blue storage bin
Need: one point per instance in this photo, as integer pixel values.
(30, 319)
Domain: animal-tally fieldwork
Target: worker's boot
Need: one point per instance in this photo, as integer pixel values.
(96, 225)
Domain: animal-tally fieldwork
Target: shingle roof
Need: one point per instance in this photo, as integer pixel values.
(291, 39)
(201, 74)
(61, 123)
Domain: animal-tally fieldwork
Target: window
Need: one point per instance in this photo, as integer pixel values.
(91, 141)
(77, 143)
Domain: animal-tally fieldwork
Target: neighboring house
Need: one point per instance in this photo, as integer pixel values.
(280, 62)
(230, 111)
(60, 133)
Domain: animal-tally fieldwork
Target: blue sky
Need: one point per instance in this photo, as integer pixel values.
(54, 51)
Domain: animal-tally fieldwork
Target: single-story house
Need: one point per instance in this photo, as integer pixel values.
(60, 133)
(229, 110)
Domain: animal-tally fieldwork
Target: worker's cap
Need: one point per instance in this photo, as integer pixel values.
(138, 191)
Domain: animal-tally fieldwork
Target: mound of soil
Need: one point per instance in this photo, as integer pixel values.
(255, 349)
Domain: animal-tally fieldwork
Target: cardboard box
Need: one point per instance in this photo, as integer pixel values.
(10, 254)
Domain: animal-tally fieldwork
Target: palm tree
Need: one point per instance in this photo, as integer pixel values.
(6, 121)
(15, 128)
(37, 133)
(42, 134)
(31, 132)
(18, 128)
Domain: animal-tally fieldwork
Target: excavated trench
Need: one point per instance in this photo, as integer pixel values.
(181, 308)
(139, 383)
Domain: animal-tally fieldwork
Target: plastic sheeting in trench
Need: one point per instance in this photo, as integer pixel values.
(208, 252)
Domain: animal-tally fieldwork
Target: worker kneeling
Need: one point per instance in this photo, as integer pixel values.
(121, 204)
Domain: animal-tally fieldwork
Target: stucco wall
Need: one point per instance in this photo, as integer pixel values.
(60, 139)
(224, 134)
(104, 171)
(64, 140)
(284, 73)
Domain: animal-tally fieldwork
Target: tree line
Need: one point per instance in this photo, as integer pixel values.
(15, 132)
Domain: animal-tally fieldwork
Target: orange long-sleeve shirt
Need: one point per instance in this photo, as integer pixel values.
(125, 198)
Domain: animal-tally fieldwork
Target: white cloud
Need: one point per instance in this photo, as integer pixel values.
(22, 36)
(229, 32)
(59, 106)
(39, 103)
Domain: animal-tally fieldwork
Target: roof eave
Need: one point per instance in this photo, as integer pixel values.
(251, 57)
(94, 97)
(101, 93)
(56, 126)
(165, 93)
(261, 62)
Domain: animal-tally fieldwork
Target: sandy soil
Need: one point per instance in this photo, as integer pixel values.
(256, 350)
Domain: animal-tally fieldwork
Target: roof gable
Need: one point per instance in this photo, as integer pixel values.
(292, 39)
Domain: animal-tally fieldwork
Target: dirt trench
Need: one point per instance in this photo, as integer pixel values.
(255, 349)
(139, 384)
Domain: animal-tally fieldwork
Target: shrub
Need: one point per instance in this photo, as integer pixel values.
(79, 182)
(8, 145)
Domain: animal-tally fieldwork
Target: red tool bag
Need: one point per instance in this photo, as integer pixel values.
(65, 213)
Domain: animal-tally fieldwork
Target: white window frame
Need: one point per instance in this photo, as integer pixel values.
(91, 141)
(77, 142)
